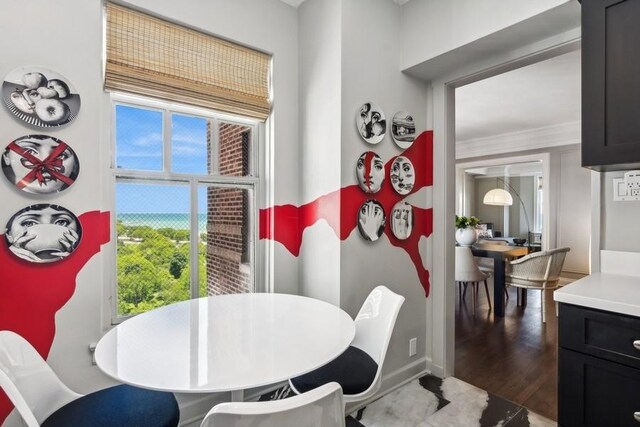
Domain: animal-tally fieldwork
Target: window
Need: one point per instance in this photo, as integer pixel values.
(185, 189)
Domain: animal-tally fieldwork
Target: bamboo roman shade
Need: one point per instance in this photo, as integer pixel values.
(152, 57)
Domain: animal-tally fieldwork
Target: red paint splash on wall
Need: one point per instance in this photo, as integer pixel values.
(286, 223)
(31, 294)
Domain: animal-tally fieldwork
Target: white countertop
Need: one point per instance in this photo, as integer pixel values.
(604, 291)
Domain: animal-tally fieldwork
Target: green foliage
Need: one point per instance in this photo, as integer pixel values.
(464, 221)
(153, 268)
(177, 263)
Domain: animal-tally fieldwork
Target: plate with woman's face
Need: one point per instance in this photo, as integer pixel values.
(402, 175)
(371, 219)
(40, 164)
(402, 220)
(370, 172)
(371, 123)
(43, 233)
(403, 129)
(40, 97)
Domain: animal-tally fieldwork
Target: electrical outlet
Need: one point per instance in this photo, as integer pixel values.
(412, 346)
(632, 182)
(627, 190)
(92, 351)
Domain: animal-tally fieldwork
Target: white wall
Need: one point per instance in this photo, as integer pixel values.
(370, 72)
(356, 40)
(56, 39)
(66, 36)
(434, 27)
(320, 35)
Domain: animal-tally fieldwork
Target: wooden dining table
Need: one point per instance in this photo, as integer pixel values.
(499, 254)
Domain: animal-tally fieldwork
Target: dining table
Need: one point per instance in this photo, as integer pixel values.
(499, 254)
(225, 343)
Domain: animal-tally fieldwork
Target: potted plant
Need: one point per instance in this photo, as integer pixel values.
(466, 234)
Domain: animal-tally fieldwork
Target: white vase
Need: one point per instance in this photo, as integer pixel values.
(466, 236)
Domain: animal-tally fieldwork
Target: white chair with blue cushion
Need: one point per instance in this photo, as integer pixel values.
(358, 370)
(42, 399)
(322, 407)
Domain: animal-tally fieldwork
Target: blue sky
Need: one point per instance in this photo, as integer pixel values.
(139, 147)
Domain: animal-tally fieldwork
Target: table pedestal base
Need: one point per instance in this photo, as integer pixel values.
(237, 396)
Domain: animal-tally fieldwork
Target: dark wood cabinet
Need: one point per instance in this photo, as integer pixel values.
(598, 368)
(611, 84)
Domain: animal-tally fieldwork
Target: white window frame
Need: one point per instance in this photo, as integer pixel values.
(253, 183)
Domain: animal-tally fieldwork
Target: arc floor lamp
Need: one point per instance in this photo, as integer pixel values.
(501, 197)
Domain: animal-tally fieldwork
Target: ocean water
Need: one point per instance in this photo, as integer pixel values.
(177, 221)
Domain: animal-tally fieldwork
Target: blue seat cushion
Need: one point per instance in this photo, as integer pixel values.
(354, 370)
(122, 405)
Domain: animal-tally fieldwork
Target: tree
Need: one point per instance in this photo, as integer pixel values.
(177, 263)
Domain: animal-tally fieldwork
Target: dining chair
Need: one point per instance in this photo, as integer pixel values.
(320, 407)
(42, 399)
(538, 270)
(467, 272)
(358, 370)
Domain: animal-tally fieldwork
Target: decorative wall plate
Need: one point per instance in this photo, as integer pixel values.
(371, 219)
(40, 164)
(403, 129)
(43, 233)
(403, 175)
(402, 220)
(370, 172)
(371, 123)
(40, 97)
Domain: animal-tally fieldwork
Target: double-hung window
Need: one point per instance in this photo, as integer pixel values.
(185, 183)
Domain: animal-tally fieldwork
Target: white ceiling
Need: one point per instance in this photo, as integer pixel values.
(296, 3)
(540, 95)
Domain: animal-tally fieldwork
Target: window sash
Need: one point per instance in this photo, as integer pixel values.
(251, 183)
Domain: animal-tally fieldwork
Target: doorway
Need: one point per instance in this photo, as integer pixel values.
(515, 356)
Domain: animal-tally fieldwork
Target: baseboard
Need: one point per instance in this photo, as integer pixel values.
(435, 369)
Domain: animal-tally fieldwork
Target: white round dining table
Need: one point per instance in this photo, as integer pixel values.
(225, 343)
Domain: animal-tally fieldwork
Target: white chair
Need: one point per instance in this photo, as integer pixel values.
(321, 407)
(42, 399)
(467, 272)
(358, 370)
(539, 270)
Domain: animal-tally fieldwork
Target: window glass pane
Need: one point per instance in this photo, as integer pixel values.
(189, 144)
(153, 230)
(232, 155)
(225, 215)
(138, 139)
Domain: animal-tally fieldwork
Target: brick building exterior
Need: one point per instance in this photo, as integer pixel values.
(228, 263)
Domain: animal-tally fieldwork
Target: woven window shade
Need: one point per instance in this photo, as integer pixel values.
(152, 57)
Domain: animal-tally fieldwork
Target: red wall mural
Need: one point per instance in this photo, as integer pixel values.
(286, 223)
(31, 294)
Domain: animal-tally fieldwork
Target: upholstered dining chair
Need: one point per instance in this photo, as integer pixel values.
(42, 399)
(467, 272)
(358, 370)
(320, 407)
(539, 270)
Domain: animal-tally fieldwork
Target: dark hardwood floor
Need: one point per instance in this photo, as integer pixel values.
(514, 357)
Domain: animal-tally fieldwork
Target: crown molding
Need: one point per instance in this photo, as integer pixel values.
(531, 139)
